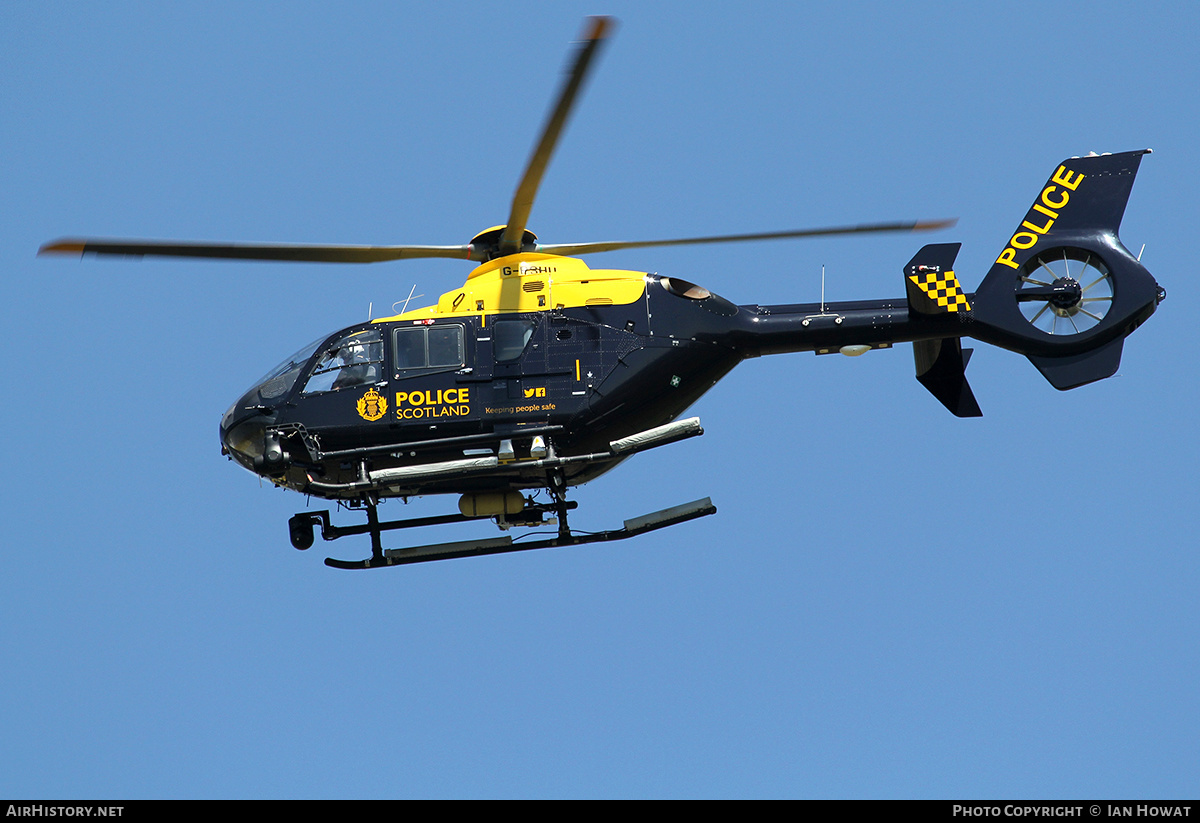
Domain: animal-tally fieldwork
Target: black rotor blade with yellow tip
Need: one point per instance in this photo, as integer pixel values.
(252, 251)
(595, 32)
(868, 228)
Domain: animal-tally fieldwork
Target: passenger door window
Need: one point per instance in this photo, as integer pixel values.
(510, 337)
(428, 347)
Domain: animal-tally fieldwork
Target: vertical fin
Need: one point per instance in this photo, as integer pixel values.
(1074, 219)
(941, 368)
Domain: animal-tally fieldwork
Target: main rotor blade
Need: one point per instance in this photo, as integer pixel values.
(597, 29)
(251, 251)
(868, 228)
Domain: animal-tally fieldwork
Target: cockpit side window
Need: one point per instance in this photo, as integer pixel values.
(354, 360)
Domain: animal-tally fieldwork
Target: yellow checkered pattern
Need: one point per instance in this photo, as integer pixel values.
(942, 288)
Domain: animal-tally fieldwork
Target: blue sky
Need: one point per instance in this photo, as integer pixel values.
(891, 602)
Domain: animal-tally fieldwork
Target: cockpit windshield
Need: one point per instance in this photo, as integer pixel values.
(279, 380)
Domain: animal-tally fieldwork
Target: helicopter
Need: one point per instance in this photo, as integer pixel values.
(541, 373)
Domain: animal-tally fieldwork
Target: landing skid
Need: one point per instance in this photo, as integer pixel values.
(368, 486)
(475, 548)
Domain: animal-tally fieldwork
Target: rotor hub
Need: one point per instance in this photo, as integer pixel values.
(1067, 297)
(485, 246)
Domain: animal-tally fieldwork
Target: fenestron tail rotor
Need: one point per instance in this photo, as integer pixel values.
(1065, 291)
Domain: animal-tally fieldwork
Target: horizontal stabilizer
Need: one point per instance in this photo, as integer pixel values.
(1080, 369)
(930, 283)
(941, 368)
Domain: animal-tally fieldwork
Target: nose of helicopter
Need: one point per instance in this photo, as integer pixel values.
(244, 424)
(243, 433)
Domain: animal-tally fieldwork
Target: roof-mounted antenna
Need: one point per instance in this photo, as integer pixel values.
(404, 308)
(822, 288)
(837, 318)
